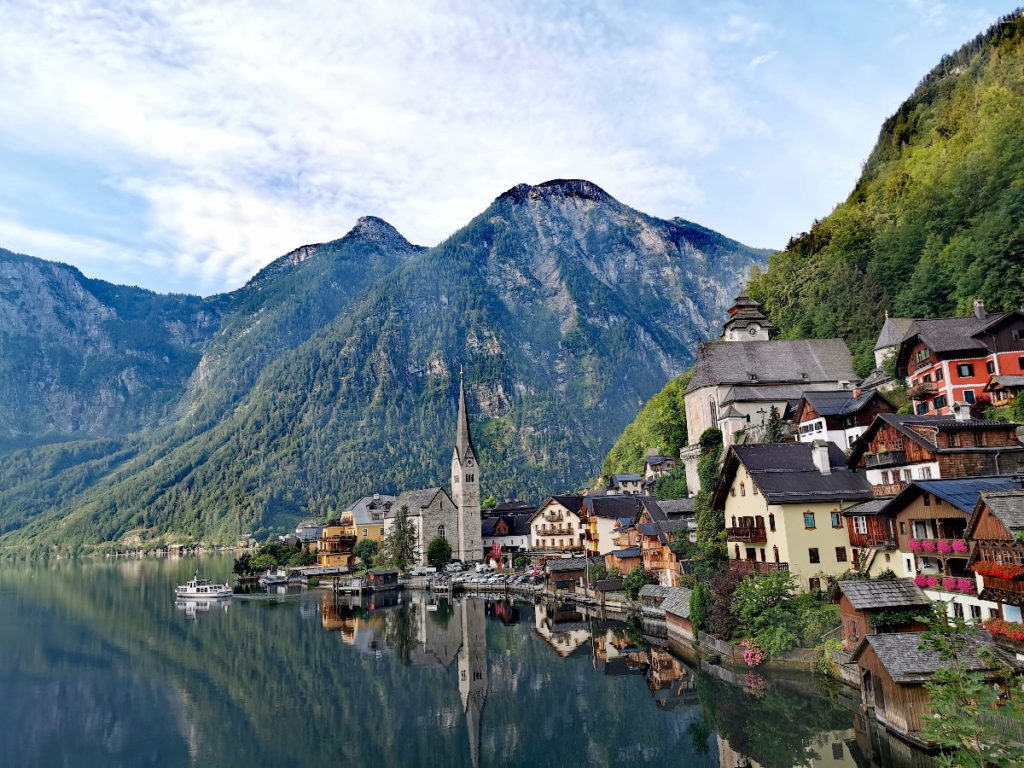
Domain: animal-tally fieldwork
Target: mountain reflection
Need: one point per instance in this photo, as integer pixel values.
(107, 670)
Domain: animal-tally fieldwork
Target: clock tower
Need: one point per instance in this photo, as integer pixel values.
(747, 322)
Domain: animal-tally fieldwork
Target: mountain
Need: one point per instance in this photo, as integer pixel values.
(936, 218)
(334, 372)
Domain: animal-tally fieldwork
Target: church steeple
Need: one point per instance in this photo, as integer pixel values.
(463, 439)
(466, 485)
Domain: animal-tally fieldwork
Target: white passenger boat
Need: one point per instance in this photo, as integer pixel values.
(196, 588)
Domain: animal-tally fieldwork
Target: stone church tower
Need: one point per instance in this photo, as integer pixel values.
(473, 672)
(466, 486)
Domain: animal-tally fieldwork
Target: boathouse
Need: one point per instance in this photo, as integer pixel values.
(868, 606)
(677, 612)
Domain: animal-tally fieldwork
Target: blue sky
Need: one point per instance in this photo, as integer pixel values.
(181, 145)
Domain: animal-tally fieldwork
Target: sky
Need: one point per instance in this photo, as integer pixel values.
(182, 145)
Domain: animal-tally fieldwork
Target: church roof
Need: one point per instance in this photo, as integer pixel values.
(416, 500)
(463, 438)
(893, 331)
(796, 361)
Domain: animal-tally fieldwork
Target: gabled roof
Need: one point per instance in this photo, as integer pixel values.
(873, 506)
(514, 506)
(416, 500)
(1007, 506)
(677, 601)
(771, 362)
(518, 525)
(677, 507)
(572, 503)
(655, 591)
(653, 507)
(921, 429)
(951, 334)
(627, 477)
(571, 563)
(1004, 382)
(663, 529)
(628, 552)
(785, 474)
(870, 594)
(764, 392)
(614, 507)
(907, 662)
(362, 512)
(893, 331)
(842, 402)
(960, 492)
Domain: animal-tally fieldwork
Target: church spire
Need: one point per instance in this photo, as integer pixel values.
(463, 440)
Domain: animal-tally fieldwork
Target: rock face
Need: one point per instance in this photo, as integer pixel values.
(334, 372)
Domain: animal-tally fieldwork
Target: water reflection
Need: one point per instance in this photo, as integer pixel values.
(312, 678)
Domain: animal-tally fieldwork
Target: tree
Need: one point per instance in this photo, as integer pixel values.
(635, 581)
(672, 485)
(366, 550)
(521, 562)
(262, 563)
(767, 612)
(439, 552)
(489, 503)
(700, 605)
(400, 544)
(961, 700)
(596, 572)
(243, 565)
(302, 558)
(775, 429)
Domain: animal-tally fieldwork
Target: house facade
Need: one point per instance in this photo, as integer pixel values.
(335, 545)
(996, 533)
(556, 525)
(838, 417)
(511, 533)
(783, 506)
(368, 515)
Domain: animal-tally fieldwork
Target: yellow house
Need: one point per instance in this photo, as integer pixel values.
(367, 516)
(336, 543)
(783, 505)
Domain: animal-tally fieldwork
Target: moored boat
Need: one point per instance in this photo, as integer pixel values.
(274, 578)
(196, 588)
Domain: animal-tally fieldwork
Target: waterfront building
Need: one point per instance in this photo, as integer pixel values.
(368, 515)
(556, 525)
(783, 505)
(334, 547)
(737, 380)
(949, 360)
(603, 516)
(510, 532)
(899, 448)
(995, 530)
(655, 540)
(676, 605)
(862, 600)
(838, 417)
(624, 560)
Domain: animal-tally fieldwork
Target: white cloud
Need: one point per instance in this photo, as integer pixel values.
(764, 58)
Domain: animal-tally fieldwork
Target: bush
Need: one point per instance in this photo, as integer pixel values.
(521, 562)
(700, 605)
(366, 550)
(262, 563)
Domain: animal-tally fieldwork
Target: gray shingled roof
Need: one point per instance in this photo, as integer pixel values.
(768, 393)
(361, 512)
(616, 507)
(1007, 381)
(839, 402)
(626, 477)
(628, 552)
(1007, 506)
(772, 362)
(865, 595)
(655, 591)
(677, 507)
(902, 656)
(894, 329)
(902, 423)
(952, 334)
(677, 601)
(865, 508)
(571, 563)
(415, 500)
(785, 474)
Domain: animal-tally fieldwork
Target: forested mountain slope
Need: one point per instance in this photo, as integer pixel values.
(566, 308)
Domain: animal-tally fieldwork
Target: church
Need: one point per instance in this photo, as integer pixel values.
(456, 517)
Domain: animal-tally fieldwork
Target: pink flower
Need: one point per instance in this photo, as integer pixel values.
(914, 544)
(959, 546)
(932, 581)
(928, 545)
(949, 583)
(945, 546)
(920, 580)
(966, 585)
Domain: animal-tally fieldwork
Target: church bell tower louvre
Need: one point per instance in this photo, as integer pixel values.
(466, 485)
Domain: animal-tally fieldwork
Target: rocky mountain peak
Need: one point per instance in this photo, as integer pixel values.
(556, 189)
(378, 231)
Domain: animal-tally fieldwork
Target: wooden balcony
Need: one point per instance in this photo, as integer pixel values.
(885, 459)
(889, 489)
(746, 567)
(561, 531)
(923, 390)
(749, 534)
(870, 540)
(1004, 585)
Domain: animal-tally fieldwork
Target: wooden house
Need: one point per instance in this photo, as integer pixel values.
(900, 448)
(838, 417)
(624, 560)
(657, 556)
(869, 606)
(677, 613)
(996, 532)
(893, 670)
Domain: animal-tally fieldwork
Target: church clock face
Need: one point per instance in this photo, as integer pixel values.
(469, 462)
(754, 330)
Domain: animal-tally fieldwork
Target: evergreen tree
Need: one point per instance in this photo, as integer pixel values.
(699, 606)
(400, 544)
(672, 485)
(635, 581)
(439, 552)
(775, 430)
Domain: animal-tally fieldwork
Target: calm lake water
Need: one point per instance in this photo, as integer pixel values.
(99, 667)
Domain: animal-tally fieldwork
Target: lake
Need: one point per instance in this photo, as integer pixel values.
(99, 667)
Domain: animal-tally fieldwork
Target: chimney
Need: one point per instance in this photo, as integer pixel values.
(979, 309)
(819, 455)
(962, 411)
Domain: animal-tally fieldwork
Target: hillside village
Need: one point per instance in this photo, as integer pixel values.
(808, 472)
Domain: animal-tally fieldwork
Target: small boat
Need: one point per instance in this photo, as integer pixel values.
(274, 578)
(201, 588)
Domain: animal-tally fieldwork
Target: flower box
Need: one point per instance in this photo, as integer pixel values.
(1009, 634)
(999, 570)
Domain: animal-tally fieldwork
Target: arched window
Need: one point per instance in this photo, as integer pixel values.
(440, 531)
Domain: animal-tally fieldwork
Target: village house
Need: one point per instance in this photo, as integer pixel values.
(569, 574)
(838, 417)
(368, 515)
(676, 605)
(308, 533)
(891, 335)
(604, 516)
(783, 505)
(929, 525)
(1003, 390)
(655, 466)
(895, 667)
(737, 380)
(950, 360)
(868, 606)
(511, 533)
(624, 560)
(556, 525)
(655, 541)
(334, 547)
(626, 483)
(899, 448)
(996, 532)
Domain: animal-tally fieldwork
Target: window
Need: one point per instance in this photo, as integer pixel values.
(732, 492)
(469, 478)
(775, 553)
(940, 401)
(1020, 363)
(813, 556)
(737, 551)
(734, 521)
(365, 532)
(975, 614)
(860, 524)
(809, 520)
(939, 375)
(714, 412)
(885, 477)
(753, 488)
(743, 489)
(840, 554)
(965, 370)
(927, 499)
(926, 377)
(926, 473)
(958, 610)
(440, 531)
(993, 613)
(907, 476)
(1017, 334)
(837, 751)
(837, 520)
(771, 522)
(814, 584)
(921, 409)
(969, 396)
(763, 555)
(990, 367)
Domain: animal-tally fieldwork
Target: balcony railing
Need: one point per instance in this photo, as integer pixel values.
(561, 531)
(887, 489)
(746, 534)
(886, 459)
(867, 540)
(923, 390)
(574, 548)
(957, 548)
(1006, 585)
(753, 566)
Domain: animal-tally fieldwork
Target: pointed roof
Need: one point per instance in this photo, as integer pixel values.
(463, 439)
